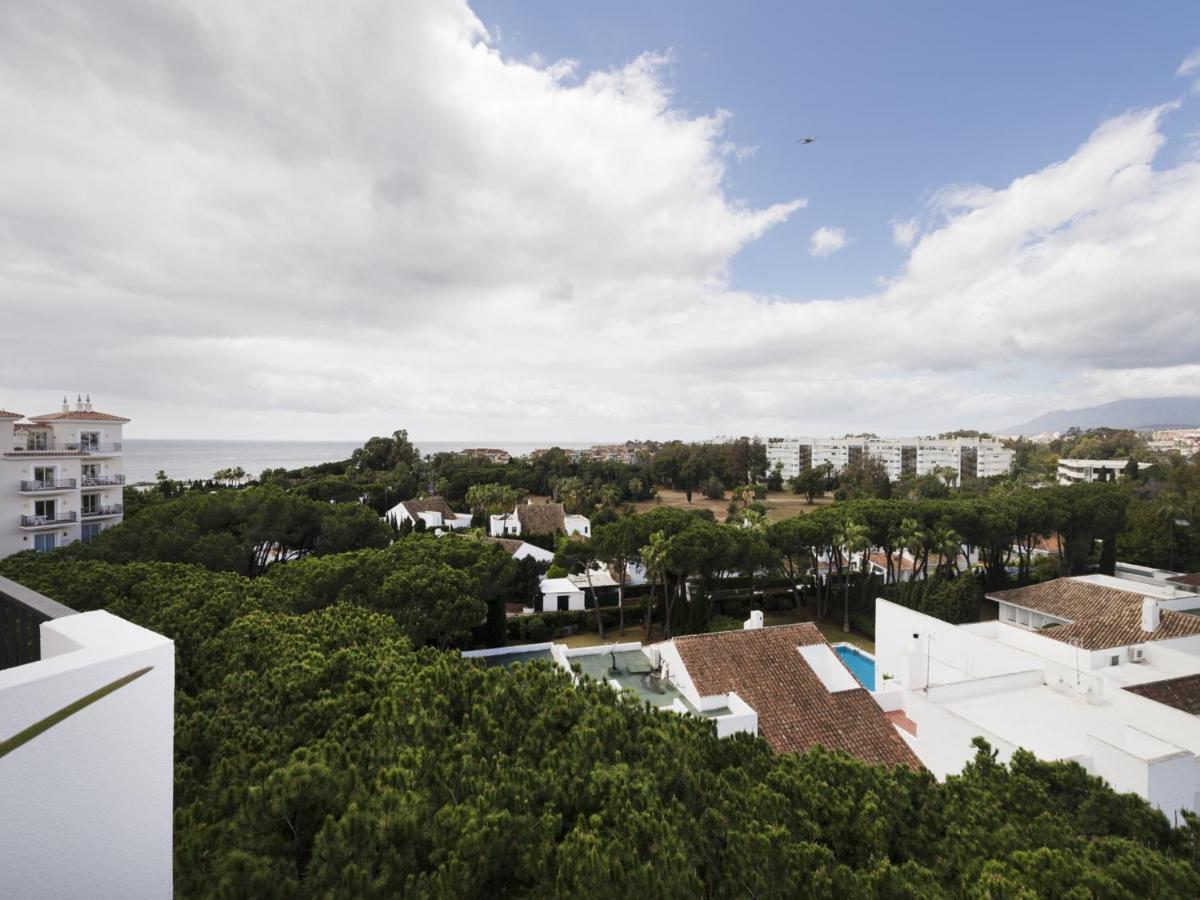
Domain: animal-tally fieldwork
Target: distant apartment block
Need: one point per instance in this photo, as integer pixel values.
(61, 477)
(1092, 471)
(1184, 440)
(966, 457)
(491, 454)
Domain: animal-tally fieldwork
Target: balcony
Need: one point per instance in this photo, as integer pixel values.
(61, 448)
(50, 521)
(101, 481)
(86, 733)
(46, 487)
(101, 512)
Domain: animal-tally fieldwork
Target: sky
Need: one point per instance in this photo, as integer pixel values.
(546, 221)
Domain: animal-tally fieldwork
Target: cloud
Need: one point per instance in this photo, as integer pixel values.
(1191, 67)
(904, 233)
(236, 221)
(826, 241)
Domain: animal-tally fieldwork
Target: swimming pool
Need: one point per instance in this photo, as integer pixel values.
(860, 663)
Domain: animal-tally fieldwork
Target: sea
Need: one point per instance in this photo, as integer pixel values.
(185, 460)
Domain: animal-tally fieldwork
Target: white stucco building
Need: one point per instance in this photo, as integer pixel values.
(434, 512)
(966, 457)
(86, 752)
(1089, 471)
(539, 518)
(61, 477)
(1097, 670)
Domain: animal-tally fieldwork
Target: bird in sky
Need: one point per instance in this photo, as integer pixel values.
(805, 140)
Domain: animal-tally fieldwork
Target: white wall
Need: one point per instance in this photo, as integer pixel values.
(87, 804)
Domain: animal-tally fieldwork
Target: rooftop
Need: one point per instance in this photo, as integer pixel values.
(1180, 693)
(78, 416)
(541, 518)
(796, 711)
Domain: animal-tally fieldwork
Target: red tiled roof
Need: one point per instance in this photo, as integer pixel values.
(1100, 617)
(5, 414)
(428, 504)
(1181, 693)
(78, 416)
(1191, 579)
(795, 710)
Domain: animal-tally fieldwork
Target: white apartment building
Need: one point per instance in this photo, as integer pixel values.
(1096, 670)
(1090, 471)
(61, 477)
(966, 457)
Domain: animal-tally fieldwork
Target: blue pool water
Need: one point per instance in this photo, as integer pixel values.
(861, 666)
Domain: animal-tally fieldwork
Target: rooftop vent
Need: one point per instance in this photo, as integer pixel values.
(755, 620)
(1150, 614)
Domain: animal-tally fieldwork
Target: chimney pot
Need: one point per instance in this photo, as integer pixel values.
(1151, 615)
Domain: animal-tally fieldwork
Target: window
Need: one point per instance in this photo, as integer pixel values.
(89, 531)
(45, 508)
(89, 503)
(43, 543)
(89, 440)
(44, 475)
(564, 602)
(37, 440)
(90, 470)
(1114, 660)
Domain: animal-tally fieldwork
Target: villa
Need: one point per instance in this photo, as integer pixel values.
(434, 512)
(1099, 670)
(62, 477)
(539, 519)
(1091, 471)
(785, 683)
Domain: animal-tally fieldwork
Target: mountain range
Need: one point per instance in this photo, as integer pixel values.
(1139, 413)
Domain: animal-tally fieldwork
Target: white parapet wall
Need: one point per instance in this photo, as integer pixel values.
(87, 765)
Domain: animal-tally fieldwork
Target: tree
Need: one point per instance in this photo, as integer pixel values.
(579, 556)
(853, 538)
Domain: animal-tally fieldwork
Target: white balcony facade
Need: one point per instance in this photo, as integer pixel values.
(61, 477)
(86, 752)
(958, 457)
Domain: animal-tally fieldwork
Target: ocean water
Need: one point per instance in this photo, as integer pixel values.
(144, 458)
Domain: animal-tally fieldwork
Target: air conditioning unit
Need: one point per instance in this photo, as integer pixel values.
(1137, 654)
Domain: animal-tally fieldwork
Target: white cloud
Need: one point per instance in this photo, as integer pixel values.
(826, 241)
(240, 221)
(1191, 67)
(904, 232)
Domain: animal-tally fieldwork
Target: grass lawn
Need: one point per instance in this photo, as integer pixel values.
(780, 504)
(832, 632)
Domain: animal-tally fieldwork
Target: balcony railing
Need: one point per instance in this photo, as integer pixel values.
(61, 484)
(102, 480)
(59, 518)
(21, 612)
(89, 447)
(99, 512)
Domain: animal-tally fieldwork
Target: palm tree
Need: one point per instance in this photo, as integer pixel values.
(654, 558)
(912, 538)
(946, 543)
(852, 536)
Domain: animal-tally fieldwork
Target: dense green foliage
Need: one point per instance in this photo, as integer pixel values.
(318, 754)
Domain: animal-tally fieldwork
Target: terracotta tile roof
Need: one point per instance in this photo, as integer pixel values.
(1100, 617)
(508, 545)
(5, 414)
(1192, 579)
(1124, 628)
(795, 709)
(899, 563)
(1066, 598)
(78, 416)
(542, 518)
(428, 504)
(1181, 693)
(1048, 543)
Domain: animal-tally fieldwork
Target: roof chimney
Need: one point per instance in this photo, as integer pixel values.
(754, 622)
(1150, 614)
(78, 403)
(87, 403)
(66, 406)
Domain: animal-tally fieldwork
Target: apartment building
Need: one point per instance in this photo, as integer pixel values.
(1092, 471)
(61, 476)
(965, 457)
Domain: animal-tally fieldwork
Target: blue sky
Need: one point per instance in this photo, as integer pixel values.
(381, 214)
(906, 98)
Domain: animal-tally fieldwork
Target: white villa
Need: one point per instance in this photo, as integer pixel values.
(61, 477)
(784, 683)
(86, 752)
(435, 512)
(539, 518)
(965, 457)
(1099, 670)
